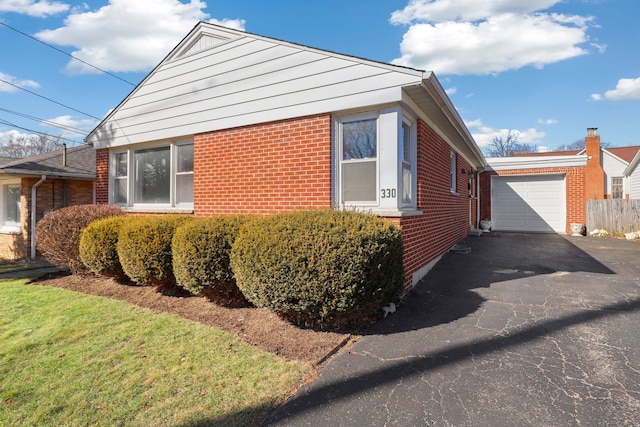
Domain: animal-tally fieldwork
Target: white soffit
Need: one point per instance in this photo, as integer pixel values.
(535, 162)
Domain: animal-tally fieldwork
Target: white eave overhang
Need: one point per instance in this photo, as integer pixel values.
(535, 162)
(432, 99)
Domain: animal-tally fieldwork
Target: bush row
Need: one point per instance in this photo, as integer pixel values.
(315, 268)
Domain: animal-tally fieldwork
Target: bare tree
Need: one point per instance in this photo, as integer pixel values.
(507, 146)
(579, 144)
(20, 146)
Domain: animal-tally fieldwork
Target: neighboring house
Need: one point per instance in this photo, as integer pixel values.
(232, 122)
(57, 179)
(548, 191)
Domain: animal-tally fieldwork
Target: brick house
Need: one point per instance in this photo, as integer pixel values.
(548, 191)
(35, 185)
(232, 122)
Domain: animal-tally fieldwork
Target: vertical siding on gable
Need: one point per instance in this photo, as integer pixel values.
(262, 169)
(445, 216)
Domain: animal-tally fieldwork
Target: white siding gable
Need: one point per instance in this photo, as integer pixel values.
(217, 80)
(634, 184)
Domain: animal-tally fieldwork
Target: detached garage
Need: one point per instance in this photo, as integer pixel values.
(529, 203)
(534, 193)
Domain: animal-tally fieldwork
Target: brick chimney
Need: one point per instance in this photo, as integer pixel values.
(594, 173)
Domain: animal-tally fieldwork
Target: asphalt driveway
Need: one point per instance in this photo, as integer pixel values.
(525, 330)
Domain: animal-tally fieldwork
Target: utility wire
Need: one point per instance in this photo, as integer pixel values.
(4, 122)
(49, 99)
(46, 122)
(66, 53)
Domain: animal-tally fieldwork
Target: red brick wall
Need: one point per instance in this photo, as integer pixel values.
(102, 176)
(576, 201)
(445, 216)
(261, 169)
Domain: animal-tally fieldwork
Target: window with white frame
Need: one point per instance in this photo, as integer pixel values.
(160, 176)
(358, 145)
(407, 167)
(452, 172)
(617, 188)
(374, 163)
(11, 206)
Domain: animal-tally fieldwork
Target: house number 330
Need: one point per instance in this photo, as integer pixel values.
(388, 193)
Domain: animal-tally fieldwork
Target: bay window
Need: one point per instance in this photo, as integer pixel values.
(154, 176)
(375, 167)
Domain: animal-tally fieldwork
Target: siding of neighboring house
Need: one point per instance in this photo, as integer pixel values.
(634, 184)
(613, 167)
(51, 194)
(575, 187)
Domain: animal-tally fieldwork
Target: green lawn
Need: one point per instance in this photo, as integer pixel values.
(68, 359)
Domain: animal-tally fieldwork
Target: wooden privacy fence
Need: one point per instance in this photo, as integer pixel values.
(616, 216)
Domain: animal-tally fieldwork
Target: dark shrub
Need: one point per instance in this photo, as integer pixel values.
(58, 233)
(98, 246)
(320, 268)
(201, 258)
(144, 248)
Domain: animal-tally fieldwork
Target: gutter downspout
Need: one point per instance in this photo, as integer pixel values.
(34, 192)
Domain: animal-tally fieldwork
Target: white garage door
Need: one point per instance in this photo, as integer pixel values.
(528, 203)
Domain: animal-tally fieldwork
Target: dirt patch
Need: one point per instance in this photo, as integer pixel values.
(256, 326)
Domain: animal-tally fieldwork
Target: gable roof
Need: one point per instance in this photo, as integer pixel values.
(625, 153)
(220, 78)
(80, 164)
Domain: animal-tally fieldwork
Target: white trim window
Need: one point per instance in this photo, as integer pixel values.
(153, 176)
(452, 173)
(375, 162)
(406, 159)
(11, 209)
(617, 187)
(358, 165)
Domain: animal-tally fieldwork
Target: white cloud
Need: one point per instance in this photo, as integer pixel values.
(39, 9)
(464, 10)
(547, 121)
(483, 135)
(70, 122)
(13, 134)
(626, 90)
(451, 90)
(128, 35)
(501, 43)
(488, 36)
(7, 88)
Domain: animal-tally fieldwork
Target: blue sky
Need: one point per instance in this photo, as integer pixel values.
(548, 69)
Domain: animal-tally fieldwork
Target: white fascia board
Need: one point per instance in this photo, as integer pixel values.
(633, 164)
(535, 162)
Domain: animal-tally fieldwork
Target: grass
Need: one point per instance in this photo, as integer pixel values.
(69, 359)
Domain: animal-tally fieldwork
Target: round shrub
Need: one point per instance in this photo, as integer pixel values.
(201, 258)
(58, 234)
(320, 268)
(144, 248)
(98, 247)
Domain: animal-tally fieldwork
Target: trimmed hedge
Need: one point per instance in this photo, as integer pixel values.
(58, 234)
(320, 268)
(98, 247)
(144, 248)
(201, 258)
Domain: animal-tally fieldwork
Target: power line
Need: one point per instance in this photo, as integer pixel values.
(66, 53)
(46, 122)
(4, 122)
(49, 99)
